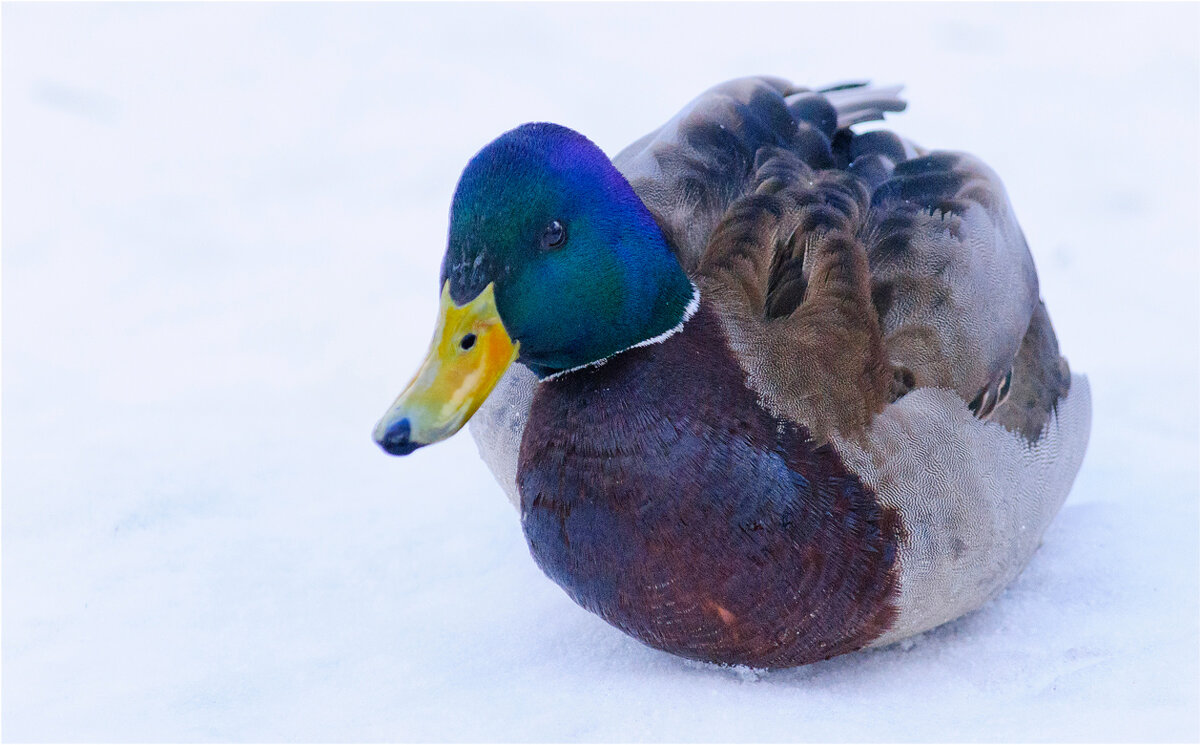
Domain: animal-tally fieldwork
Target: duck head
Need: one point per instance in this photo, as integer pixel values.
(552, 262)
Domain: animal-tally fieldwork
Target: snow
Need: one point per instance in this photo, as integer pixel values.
(222, 231)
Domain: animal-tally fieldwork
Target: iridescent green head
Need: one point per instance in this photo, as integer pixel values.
(581, 268)
(548, 235)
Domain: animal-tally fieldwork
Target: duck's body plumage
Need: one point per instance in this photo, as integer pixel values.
(861, 433)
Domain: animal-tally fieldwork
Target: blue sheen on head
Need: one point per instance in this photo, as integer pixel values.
(614, 283)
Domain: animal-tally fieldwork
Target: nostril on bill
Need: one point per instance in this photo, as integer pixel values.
(396, 440)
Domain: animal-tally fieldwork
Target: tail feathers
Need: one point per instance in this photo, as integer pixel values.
(858, 101)
(844, 86)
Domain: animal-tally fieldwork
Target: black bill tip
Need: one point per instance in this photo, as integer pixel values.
(397, 440)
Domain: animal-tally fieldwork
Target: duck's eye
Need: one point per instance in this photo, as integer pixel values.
(554, 236)
(467, 342)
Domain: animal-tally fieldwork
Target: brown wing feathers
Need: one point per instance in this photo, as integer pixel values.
(954, 294)
(848, 269)
(787, 262)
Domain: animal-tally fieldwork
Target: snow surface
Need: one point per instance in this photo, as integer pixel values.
(221, 238)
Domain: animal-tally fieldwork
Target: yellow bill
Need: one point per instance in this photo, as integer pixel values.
(468, 356)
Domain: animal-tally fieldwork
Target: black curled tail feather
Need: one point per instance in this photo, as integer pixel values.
(859, 102)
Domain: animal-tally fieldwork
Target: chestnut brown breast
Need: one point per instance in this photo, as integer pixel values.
(659, 494)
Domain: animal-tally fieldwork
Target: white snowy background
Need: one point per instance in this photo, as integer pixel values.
(222, 226)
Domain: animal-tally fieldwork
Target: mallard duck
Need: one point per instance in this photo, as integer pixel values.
(783, 390)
